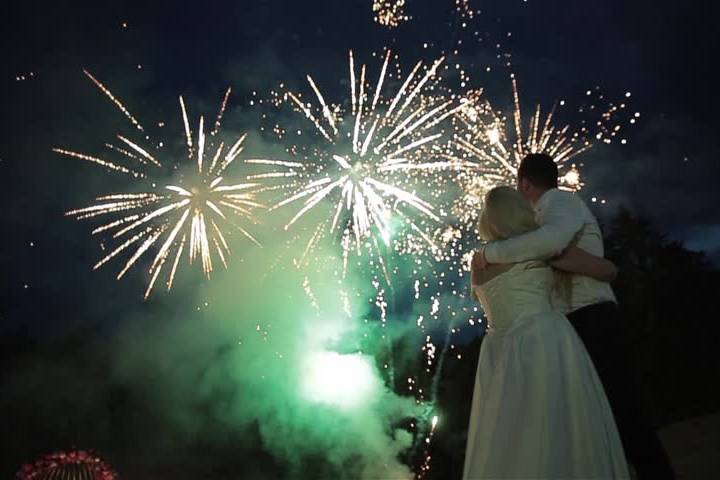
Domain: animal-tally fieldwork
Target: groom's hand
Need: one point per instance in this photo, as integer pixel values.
(479, 262)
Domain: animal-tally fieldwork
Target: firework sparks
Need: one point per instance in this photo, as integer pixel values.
(464, 8)
(191, 216)
(389, 13)
(425, 467)
(73, 465)
(379, 152)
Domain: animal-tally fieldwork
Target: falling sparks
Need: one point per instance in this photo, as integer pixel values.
(379, 151)
(464, 8)
(429, 349)
(23, 77)
(189, 217)
(389, 13)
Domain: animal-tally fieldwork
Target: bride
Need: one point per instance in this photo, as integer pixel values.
(538, 408)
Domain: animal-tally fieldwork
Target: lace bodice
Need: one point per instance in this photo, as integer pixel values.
(521, 291)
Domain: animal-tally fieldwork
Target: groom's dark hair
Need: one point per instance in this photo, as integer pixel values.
(540, 170)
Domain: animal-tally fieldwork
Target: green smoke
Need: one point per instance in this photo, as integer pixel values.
(259, 352)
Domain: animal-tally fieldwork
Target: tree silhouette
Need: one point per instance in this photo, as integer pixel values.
(667, 295)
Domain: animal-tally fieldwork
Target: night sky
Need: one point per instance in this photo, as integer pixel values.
(663, 51)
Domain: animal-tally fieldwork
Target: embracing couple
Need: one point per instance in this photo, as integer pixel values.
(553, 394)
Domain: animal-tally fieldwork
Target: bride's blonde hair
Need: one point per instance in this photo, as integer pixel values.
(506, 214)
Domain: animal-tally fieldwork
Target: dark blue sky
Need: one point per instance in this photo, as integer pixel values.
(662, 51)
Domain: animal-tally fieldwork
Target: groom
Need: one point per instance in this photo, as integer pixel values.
(564, 218)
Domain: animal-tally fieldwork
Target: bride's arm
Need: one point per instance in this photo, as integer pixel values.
(475, 274)
(576, 260)
(561, 222)
(475, 271)
(480, 276)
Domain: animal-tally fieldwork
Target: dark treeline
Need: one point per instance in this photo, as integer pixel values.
(668, 295)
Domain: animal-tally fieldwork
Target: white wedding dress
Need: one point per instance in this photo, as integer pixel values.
(538, 408)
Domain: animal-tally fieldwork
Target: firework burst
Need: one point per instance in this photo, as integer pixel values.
(73, 465)
(379, 150)
(497, 143)
(191, 216)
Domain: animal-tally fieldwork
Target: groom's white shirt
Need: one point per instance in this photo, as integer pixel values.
(563, 217)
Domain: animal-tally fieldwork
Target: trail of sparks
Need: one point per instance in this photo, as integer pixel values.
(201, 210)
(425, 467)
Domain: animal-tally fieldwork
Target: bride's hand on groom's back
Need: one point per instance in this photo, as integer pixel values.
(578, 261)
(479, 262)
